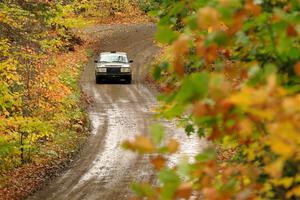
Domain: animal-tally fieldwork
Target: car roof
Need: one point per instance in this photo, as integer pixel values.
(113, 52)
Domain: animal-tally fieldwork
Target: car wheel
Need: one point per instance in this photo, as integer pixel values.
(98, 80)
(128, 80)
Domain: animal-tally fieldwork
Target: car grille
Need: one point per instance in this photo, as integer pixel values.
(113, 70)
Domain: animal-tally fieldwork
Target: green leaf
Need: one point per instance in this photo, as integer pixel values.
(242, 38)
(143, 190)
(170, 182)
(165, 35)
(158, 69)
(156, 73)
(193, 87)
(201, 132)
(174, 111)
(184, 168)
(177, 8)
(269, 69)
(206, 155)
(189, 129)
(168, 176)
(157, 133)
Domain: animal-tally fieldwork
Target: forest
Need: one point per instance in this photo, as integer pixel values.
(228, 71)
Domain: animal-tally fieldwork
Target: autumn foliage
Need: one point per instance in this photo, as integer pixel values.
(39, 70)
(43, 118)
(233, 78)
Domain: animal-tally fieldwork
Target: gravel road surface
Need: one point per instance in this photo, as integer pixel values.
(104, 170)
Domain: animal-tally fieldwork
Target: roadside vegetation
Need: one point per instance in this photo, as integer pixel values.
(231, 74)
(42, 109)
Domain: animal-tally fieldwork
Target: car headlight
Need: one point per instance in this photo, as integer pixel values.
(101, 69)
(125, 69)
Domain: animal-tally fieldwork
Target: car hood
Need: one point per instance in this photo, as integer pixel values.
(113, 64)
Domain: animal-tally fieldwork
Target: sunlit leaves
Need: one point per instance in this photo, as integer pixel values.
(141, 144)
(36, 95)
(294, 192)
(236, 81)
(153, 144)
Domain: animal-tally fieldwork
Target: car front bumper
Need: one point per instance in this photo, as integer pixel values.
(102, 75)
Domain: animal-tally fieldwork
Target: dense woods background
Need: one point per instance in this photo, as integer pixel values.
(229, 72)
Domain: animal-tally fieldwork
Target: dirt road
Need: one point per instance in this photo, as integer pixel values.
(104, 170)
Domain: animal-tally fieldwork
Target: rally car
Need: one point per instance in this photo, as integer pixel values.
(113, 65)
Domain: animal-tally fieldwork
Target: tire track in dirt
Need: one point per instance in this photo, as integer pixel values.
(104, 170)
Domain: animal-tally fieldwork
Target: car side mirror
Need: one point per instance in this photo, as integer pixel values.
(95, 61)
(130, 61)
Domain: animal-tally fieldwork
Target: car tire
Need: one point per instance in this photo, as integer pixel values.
(98, 80)
(128, 80)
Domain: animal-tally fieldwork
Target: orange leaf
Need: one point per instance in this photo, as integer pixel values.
(294, 192)
(184, 190)
(239, 17)
(274, 169)
(287, 7)
(180, 48)
(253, 8)
(141, 144)
(200, 48)
(173, 146)
(178, 66)
(210, 193)
(216, 133)
(297, 68)
(158, 162)
(207, 17)
(200, 109)
(211, 53)
(291, 31)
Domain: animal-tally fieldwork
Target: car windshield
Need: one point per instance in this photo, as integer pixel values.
(113, 58)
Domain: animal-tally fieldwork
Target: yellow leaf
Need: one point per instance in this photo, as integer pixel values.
(286, 131)
(274, 169)
(144, 144)
(245, 126)
(173, 146)
(248, 97)
(141, 144)
(281, 147)
(294, 192)
(286, 182)
(271, 83)
(267, 114)
(241, 98)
